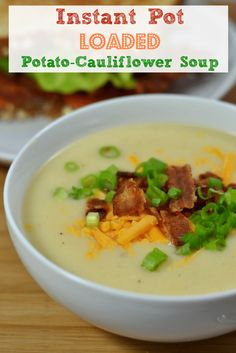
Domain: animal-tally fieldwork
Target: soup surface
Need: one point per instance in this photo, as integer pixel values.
(48, 219)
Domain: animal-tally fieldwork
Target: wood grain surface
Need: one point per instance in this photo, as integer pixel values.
(31, 322)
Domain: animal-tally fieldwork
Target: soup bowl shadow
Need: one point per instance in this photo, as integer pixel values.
(140, 316)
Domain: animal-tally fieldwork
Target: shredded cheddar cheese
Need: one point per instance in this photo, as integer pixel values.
(102, 239)
(215, 152)
(119, 231)
(134, 160)
(137, 229)
(201, 161)
(155, 235)
(229, 167)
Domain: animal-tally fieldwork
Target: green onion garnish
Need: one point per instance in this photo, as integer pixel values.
(154, 259)
(229, 199)
(89, 181)
(202, 195)
(184, 250)
(154, 193)
(158, 179)
(107, 181)
(156, 202)
(112, 169)
(80, 193)
(215, 183)
(213, 223)
(71, 167)
(150, 167)
(217, 244)
(174, 193)
(92, 219)
(60, 193)
(109, 196)
(109, 152)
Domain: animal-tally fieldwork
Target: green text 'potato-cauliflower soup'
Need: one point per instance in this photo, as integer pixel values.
(147, 208)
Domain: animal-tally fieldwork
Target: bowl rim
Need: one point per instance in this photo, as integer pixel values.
(144, 297)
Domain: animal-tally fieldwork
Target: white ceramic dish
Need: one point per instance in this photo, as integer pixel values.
(14, 135)
(148, 317)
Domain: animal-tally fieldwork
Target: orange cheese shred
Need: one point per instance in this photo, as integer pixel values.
(136, 229)
(155, 235)
(120, 231)
(134, 160)
(229, 167)
(215, 152)
(102, 239)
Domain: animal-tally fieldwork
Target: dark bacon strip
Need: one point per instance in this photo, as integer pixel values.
(129, 199)
(141, 182)
(96, 205)
(181, 177)
(175, 226)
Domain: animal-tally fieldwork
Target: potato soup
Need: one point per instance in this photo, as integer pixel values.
(177, 238)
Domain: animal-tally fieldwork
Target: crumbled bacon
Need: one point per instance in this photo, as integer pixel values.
(141, 182)
(129, 199)
(181, 177)
(97, 205)
(232, 186)
(175, 225)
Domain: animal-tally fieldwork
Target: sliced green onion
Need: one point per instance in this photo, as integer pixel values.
(174, 193)
(109, 196)
(109, 152)
(112, 169)
(71, 167)
(80, 193)
(210, 211)
(150, 167)
(229, 199)
(213, 223)
(223, 230)
(156, 202)
(60, 193)
(107, 181)
(184, 250)
(158, 179)
(154, 259)
(154, 193)
(203, 196)
(193, 240)
(195, 217)
(217, 244)
(89, 181)
(232, 218)
(92, 219)
(215, 183)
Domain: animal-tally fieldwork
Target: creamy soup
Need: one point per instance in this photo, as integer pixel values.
(48, 220)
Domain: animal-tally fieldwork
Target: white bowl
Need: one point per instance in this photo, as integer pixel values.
(147, 317)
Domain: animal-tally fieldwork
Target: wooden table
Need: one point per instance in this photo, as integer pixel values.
(31, 322)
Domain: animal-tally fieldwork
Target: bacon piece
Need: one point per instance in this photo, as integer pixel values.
(175, 225)
(97, 205)
(233, 186)
(129, 199)
(181, 177)
(141, 182)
